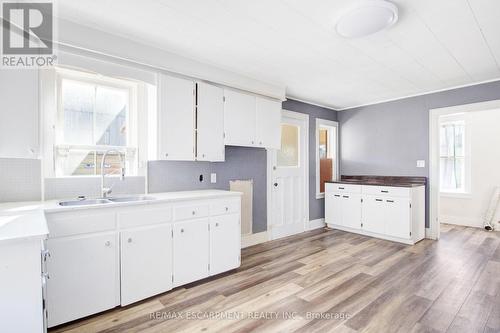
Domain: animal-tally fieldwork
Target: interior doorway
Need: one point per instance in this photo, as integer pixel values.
(288, 181)
(462, 141)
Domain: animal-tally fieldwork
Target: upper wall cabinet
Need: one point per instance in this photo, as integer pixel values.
(251, 121)
(268, 123)
(239, 118)
(209, 123)
(191, 120)
(19, 113)
(176, 119)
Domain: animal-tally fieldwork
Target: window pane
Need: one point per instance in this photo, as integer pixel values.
(111, 116)
(78, 109)
(459, 140)
(288, 155)
(78, 163)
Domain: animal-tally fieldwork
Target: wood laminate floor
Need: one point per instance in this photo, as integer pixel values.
(333, 281)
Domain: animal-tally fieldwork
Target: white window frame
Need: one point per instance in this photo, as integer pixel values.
(51, 83)
(465, 193)
(335, 126)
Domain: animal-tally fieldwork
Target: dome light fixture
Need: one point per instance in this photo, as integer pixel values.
(366, 17)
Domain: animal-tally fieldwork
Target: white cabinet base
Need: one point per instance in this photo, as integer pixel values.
(409, 241)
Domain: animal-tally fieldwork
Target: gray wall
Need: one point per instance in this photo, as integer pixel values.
(387, 139)
(316, 206)
(241, 163)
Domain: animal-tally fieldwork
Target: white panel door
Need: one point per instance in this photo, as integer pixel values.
(176, 119)
(146, 262)
(210, 123)
(239, 118)
(268, 123)
(373, 214)
(225, 243)
(191, 251)
(19, 113)
(351, 210)
(333, 208)
(397, 217)
(289, 179)
(83, 276)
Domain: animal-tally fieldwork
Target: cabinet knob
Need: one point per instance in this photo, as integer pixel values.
(194, 212)
(182, 230)
(129, 240)
(202, 155)
(227, 208)
(260, 143)
(217, 224)
(253, 142)
(107, 244)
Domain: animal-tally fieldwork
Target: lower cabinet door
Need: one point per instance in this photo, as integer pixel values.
(373, 214)
(351, 210)
(84, 276)
(191, 251)
(398, 217)
(225, 243)
(333, 208)
(146, 262)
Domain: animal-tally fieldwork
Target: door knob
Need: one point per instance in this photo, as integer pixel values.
(107, 244)
(275, 184)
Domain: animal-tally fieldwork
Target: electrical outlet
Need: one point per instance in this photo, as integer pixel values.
(421, 164)
(213, 178)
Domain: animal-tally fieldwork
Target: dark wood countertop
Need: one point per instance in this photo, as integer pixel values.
(396, 181)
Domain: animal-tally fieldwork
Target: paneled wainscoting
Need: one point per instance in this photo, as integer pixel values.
(333, 281)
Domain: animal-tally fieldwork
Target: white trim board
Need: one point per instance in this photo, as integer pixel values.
(316, 224)
(335, 125)
(420, 94)
(434, 174)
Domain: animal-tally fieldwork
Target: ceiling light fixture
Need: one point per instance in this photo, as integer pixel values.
(366, 18)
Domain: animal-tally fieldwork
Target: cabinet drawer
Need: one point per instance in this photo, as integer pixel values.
(387, 190)
(190, 211)
(221, 207)
(143, 216)
(82, 222)
(333, 187)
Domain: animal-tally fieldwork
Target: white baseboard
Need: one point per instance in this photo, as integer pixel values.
(316, 224)
(254, 239)
(461, 220)
(428, 234)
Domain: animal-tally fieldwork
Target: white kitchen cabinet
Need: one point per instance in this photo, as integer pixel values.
(268, 123)
(397, 211)
(351, 210)
(19, 113)
(210, 123)
(146, 262)
(333, 208)
(374, 214)
(388, 212)
(239, 118)
(225, 243)
(190, 251)
(176, 119)
(84, 276)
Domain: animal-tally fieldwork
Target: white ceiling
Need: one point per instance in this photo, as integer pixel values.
(437, 44)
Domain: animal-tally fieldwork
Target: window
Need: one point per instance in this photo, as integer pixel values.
(453, 157)
(327, 166)
(94, 114)
(288, 155)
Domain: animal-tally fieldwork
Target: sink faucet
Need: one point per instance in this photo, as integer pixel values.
(107, 190)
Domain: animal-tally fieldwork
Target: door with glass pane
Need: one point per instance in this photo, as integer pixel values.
(288, 176)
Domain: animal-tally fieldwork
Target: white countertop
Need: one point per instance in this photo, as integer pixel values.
(27, 219)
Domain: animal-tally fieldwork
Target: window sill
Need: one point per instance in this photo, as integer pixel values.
(457, 195)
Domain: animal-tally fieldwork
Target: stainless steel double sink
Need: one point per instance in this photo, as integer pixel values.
(104, 201)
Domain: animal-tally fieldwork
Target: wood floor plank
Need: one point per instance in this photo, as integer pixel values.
(333, 281)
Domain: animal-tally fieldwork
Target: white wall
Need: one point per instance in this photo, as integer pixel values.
(484, 127)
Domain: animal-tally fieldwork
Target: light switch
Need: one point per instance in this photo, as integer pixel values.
(421, 164)
(213, 178)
